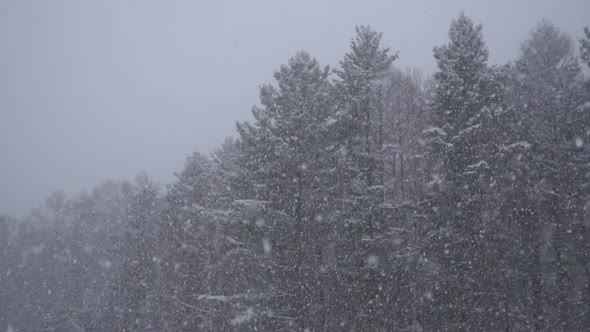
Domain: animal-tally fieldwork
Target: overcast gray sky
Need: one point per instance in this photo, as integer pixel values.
(93, 90)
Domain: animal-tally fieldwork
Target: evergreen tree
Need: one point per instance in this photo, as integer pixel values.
(361, 131)
(284, 152)
(187, 237)
(585, 46)
(460, 237)
(547, 100)
(137, 287)
(359, 135)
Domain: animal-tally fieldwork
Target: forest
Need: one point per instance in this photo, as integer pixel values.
(357, 198)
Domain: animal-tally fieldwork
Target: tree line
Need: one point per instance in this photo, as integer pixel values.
(362, 198)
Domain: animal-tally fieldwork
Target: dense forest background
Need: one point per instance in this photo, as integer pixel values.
(363, 198)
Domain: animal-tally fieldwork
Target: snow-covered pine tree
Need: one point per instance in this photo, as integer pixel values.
(548, 98)
(238, 289)
(359, 146)
(357, 117)
(284, 151)
(582, 142)
(585, 46)
(583, 135)
(138, 288)
(459, 222)
(188, 234)
(102, 210)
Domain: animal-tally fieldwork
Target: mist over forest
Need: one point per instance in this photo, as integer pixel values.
(359, 196)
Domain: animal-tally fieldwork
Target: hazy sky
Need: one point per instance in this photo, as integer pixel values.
(92, 90)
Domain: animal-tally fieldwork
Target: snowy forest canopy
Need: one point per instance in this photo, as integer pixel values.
(363, 198)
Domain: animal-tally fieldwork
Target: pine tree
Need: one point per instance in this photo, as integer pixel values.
(461, 229)
(585, 47)
(547, 100)
(187, 235)
(284, 152)
(359, 135)
(361, 127)
(138, 286)
(582, 141)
